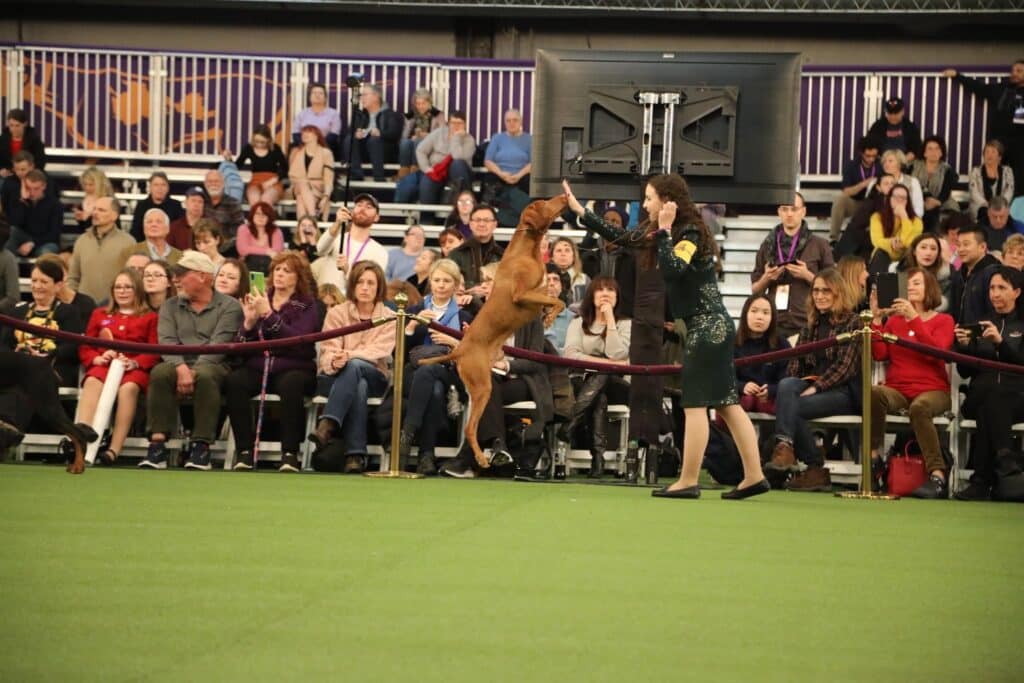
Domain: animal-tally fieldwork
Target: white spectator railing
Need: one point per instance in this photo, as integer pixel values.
(170, 105)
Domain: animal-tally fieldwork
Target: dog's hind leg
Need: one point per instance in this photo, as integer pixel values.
(476, 376)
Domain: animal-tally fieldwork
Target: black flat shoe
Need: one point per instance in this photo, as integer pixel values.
(752, 490)
(688, 492)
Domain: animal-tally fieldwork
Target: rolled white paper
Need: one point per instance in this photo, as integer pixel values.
(104, 407)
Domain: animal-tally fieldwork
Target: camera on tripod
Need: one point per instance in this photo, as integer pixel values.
(355, 79)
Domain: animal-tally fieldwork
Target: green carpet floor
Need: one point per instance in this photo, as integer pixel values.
(121, 575)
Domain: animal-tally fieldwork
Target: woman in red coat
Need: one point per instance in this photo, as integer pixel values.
(127, 318)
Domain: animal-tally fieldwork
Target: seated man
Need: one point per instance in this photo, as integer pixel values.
(479, 250)
(999, 225)
(198, 315)
(99, 251)
(36, 217)
(378, 129)
(180, 236)
(156, 227)
(221, 207)
(895, 131)
(444, 155)
(11, 186)
(857, 175)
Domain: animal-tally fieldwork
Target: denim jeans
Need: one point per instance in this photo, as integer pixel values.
(793, 410)
(374, 147)
(347, 394)
(19, 236)
(407, 152)
(418, 187)
(425, 410)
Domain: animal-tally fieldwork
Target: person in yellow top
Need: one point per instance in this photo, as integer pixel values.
(893, 228)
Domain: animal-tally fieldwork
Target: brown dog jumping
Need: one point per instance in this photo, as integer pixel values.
(517, 298)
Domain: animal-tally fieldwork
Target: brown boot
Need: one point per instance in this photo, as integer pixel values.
(783, 458)
(403, 171)
(325, 430)
(814, 478)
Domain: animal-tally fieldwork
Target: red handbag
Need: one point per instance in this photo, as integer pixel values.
(439, 171)
(906, 471)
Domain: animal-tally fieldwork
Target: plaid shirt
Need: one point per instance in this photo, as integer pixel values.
(843, 360)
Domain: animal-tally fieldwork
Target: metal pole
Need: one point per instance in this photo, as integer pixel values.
(865, 334)
(394, 471)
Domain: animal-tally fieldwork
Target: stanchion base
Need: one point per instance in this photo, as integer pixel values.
(857, 495)
(393, 475)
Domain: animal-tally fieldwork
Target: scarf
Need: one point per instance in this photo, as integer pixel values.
(450, 317)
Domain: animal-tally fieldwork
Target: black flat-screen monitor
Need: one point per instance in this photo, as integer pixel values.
(600, 118)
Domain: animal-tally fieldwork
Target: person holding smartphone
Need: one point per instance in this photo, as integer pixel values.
(893, 228)
(994, 398)
(286, 309)
(913, 381)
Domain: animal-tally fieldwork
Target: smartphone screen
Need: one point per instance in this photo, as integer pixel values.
(257, 282)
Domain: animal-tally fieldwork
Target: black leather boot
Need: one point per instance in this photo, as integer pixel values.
(325, 431)
(598, 443)
(593, 386)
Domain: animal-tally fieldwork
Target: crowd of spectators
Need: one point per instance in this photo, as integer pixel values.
(181, 276)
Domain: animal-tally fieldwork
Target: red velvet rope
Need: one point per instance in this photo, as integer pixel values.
(183, 349)
(954, 357)
(642, 369)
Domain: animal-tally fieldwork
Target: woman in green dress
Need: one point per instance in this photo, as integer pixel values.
(686, 252)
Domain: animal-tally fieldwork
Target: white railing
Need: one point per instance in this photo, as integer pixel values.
(188, 106)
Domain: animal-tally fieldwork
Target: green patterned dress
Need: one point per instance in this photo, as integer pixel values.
(708, 374)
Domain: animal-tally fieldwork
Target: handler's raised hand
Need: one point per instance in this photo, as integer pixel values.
(667, 216)
(574, 204)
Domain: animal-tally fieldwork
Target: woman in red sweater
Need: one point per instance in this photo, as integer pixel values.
(127, 318)
(913, 381)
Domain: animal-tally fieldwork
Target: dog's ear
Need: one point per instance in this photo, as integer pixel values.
(532, 217)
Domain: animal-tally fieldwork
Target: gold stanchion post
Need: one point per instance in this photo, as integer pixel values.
(865, 491)
(401, 319)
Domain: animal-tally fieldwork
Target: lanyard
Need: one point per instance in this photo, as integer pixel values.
(865, 177)
(348, 244)
(792, 247)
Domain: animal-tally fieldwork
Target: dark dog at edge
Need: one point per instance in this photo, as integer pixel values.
(517, 297)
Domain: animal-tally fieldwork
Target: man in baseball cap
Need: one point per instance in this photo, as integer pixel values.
(202, 316)
(895, 131)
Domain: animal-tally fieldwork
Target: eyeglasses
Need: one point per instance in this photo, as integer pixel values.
(154, 276)
(465, 201)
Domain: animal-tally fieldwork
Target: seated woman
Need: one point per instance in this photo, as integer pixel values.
(757, 334)
(462, 209)
(855, 271)
(259, 239)
(158, 284)
(566, 256)
(444, 157)
(420, 278)
(893, 162)
(893, 228)
(288, 309)
(311, 171)
(450, 239)
(207, 238)
(402, 262)
(82, 303)
(992, 178)
(306, 236)
(126, 318)
(597, 335)
(856, 237)
(94, 184)
(994, 398)
(356, 366)
(326, 120)
(512, 380)
(926, 252)
(913, 382)
(46, 310)
(558, 287)
(937, 179)
(1013, 251)
(232, 279)
(821, 384)
(422, 119)
(269, 167)
(428, 384)
(159, 197)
